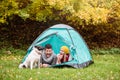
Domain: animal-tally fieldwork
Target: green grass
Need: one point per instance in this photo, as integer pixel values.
(105, 67)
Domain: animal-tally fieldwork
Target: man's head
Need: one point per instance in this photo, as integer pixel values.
(48, 50)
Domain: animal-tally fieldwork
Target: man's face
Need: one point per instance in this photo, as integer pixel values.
(48, 52)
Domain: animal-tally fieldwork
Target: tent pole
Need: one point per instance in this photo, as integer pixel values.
(72, 42)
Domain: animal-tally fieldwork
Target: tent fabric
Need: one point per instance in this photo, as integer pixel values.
(64, 35)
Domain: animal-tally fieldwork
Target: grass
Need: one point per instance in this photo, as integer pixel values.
(105, 67)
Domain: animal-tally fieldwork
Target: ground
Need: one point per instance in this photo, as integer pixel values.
(105, 67)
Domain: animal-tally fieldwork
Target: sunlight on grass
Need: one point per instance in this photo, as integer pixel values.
(105, 67)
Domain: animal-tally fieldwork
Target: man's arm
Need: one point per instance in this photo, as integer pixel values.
(54, 60)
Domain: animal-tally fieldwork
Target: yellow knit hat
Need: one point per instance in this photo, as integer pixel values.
(65, 49)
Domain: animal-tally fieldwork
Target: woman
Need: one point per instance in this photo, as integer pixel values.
(63, 56)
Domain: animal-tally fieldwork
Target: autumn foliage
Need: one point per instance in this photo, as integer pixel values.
(98, 21)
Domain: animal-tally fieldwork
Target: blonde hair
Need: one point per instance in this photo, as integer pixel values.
(65, 49)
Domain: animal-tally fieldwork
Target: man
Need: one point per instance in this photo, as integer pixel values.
(48, 58)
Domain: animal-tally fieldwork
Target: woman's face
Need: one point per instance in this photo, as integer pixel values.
(61, 51)
(48, 52)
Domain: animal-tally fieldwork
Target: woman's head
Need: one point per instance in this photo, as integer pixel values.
(65, 49)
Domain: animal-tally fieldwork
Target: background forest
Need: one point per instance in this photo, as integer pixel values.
(98, 21)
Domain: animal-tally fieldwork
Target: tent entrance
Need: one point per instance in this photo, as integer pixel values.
(55, 40)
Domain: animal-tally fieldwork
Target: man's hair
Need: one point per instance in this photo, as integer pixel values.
(48, 46)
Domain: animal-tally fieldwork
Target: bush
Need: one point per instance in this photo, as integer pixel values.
(95, 20)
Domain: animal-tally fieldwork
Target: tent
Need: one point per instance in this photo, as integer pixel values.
(59, 35)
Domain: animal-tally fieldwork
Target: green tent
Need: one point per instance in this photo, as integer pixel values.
(60, 35)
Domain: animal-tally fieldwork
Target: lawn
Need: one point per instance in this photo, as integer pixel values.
(105, 67)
